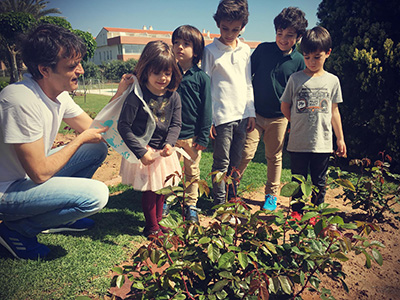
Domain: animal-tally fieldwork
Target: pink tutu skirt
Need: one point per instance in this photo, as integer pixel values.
(152, 177)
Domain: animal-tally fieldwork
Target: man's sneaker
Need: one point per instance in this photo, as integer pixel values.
(78, 225)
(191, 214)
(165, 211)
(270, 202)
(21, 246)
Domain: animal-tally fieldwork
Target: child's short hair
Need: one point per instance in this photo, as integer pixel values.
(316, 39)
(190, 33)
(232, 10)
(155, 58)
(291, 17)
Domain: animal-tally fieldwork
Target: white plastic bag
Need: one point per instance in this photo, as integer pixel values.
(109, 116)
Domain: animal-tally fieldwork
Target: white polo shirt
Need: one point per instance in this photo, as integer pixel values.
(231, 87)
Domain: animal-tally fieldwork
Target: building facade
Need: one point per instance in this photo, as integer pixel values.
(124, 44)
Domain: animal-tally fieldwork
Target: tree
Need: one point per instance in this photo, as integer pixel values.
(12, 25)
(366, 58)
(37, 8)
(90, 42)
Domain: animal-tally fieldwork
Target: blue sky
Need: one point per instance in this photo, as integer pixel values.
(92, 15)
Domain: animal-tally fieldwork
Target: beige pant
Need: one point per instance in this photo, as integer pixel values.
(191, 170)
(274, 130)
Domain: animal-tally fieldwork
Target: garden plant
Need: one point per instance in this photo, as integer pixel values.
(265, 255)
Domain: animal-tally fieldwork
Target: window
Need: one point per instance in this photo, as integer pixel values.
(133, 49)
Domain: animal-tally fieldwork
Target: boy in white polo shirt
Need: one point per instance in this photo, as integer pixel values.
(227, 62)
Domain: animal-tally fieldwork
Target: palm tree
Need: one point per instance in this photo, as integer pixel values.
(34, 7)
(9, 52)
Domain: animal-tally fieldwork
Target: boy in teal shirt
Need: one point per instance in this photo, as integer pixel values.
(271, 65)
(194, 89)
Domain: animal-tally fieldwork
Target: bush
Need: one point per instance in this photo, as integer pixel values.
(114, 69)
(3, 84)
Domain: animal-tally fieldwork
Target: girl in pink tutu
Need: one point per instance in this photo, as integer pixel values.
(149, 124)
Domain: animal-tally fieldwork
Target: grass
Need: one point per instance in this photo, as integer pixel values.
(80, 263)
(92, 104)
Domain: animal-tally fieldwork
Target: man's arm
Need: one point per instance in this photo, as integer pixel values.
(79, 123)
(40, 167)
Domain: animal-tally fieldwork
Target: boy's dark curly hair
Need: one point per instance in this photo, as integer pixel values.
(232, 10)
(291, 17)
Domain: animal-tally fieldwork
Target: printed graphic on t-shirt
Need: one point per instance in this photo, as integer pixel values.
(312, 102)
(158, 109)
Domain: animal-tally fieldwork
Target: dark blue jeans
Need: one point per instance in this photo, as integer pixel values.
(318, 164)
(228, 147)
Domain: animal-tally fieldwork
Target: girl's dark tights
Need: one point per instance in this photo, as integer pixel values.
(152, 205)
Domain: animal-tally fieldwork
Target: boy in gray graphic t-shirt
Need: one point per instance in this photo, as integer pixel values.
(310, 103)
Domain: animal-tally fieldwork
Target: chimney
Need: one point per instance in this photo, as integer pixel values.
(150, 27)
(208, 33)
(144, 27)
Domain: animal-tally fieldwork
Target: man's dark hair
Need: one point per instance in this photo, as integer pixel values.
(232, 10)
(192, 34)
(291, 17)
(316, 39)
(46, 44)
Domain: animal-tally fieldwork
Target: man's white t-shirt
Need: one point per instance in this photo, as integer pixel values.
(26, 115)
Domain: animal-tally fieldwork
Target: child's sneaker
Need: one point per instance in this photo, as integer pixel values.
(21, 246)
(78, 225)
(270, 202)
(165, 212)
(191, 214)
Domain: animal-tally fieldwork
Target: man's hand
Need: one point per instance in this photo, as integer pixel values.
(125, 82)
(92, 135)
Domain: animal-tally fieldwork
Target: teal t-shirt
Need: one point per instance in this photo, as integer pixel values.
(271, 71)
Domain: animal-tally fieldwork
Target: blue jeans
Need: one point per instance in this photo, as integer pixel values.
(70, 195)
(228, 147)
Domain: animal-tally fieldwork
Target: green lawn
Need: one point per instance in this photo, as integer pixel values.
(79, 263)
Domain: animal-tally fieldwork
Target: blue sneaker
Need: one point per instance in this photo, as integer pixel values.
(191, 214)
(165, 212)
(21, 246)
(78, 225)
(270, 202)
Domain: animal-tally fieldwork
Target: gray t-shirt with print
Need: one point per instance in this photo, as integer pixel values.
(311, 101)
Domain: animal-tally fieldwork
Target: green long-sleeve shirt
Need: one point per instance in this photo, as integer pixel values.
(195, 93)
(271, 71)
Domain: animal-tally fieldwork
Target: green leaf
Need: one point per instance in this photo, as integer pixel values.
(120, 280)
(198, 270)
(340, 256)
(118, 270)
(82, 298)
(290, 189)
(243, 260)
(308, 215)
(345, 287)
(226, 274)
(219, 285)
(336, 220)
(302, 277)
(204, 240)
(270, 246)
(226, 260)
(306, 188)
(285, 283)
(274, 285)
(346, 184)
(154, 256)
(213, 253)
(377, 256)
